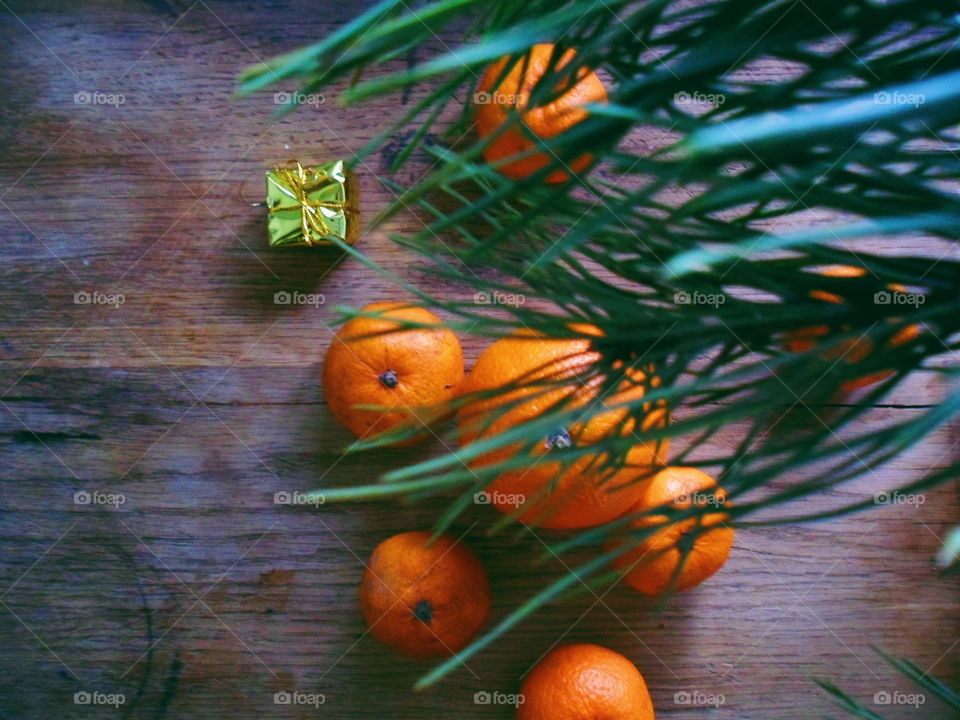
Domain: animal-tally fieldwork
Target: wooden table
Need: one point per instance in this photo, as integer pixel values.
(197, 398)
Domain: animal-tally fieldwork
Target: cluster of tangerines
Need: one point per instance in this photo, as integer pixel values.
(395, 364)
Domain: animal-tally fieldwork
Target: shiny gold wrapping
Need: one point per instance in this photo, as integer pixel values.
(311, 206)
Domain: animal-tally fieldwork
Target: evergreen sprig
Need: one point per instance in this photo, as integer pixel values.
(937, 689)
(743, 198)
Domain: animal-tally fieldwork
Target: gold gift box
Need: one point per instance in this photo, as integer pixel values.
(312, 206)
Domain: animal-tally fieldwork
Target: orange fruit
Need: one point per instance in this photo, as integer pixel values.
(851, 350)
(580, 494)
(492, 107)
(414, 372)
(424, 600)
(651, 565)
(584, 682)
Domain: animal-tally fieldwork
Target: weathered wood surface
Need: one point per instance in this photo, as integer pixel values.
(198, 398)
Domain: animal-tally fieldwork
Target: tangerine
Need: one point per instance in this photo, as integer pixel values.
(509, 378)
(851, 350)
(543, 122)
(584, 682)
(414, 372)
(424, 600)
(680, 555)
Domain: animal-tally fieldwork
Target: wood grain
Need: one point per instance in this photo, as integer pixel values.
(198, 398)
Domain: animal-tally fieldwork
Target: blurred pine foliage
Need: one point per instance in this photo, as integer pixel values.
(746, 187)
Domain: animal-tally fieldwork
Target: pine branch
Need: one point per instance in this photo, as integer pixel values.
(854, 707)
(863, 129)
